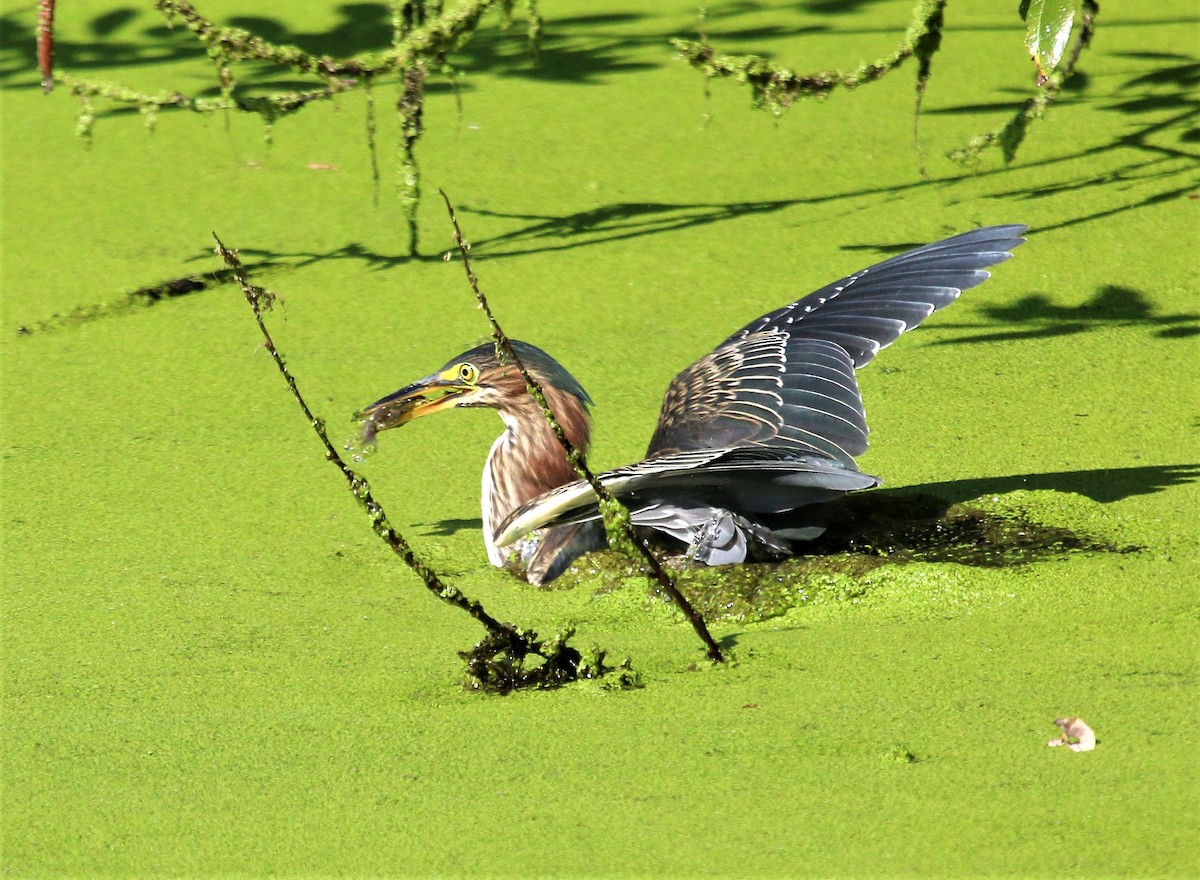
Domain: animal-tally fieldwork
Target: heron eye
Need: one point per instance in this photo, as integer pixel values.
(468, 373)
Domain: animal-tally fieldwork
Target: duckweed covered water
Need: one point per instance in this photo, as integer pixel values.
(213, 667)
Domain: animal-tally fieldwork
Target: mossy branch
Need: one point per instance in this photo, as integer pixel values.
(498, 662)
(262, 301)
(618, 524)
(440, 35)
(432, 40)
(1009, 137)
(270, 107)
(775, 88)
(424, 33)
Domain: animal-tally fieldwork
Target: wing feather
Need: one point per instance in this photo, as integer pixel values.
(772, 419)
(769, 388)
(927, 278)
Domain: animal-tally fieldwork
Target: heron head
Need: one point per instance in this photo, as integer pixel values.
(481, 377)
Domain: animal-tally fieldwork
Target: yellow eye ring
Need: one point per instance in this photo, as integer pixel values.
(468, 373)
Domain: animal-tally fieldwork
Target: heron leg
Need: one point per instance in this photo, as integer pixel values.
(702, 539)
(720, 539)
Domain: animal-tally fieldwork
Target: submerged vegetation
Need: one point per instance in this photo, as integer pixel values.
(502, 663)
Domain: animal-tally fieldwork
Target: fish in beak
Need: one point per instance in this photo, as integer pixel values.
(435, 392)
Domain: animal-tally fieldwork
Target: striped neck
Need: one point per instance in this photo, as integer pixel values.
(527, 460)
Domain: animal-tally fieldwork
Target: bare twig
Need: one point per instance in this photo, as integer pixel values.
(615, 514)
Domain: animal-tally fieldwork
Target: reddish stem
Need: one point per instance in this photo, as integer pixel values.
(45, 43)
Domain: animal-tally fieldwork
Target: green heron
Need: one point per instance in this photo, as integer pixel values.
(761, 431)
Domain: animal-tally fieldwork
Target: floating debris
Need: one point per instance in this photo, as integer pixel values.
(1077, 736)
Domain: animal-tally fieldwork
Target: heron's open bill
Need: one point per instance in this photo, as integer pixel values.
(750, 438)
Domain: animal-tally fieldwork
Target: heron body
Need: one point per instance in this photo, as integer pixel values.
(759, 432)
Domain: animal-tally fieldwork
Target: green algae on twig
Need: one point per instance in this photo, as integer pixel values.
(776, 88)
(498, 659)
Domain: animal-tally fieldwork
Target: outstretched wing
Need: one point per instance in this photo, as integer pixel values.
(866, 311)
(749, 479)
(787, 378)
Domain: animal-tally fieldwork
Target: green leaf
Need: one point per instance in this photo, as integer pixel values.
(1048, 28)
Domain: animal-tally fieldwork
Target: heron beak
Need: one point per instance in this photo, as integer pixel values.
(425, 396)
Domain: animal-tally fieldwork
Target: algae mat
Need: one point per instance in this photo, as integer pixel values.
(212, 667)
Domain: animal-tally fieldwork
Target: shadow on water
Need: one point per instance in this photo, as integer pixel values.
(1103, 485)
(1033, 317)
(1161, 101)
(1161, 109)
(582, 49)
(933, 523)
(443, 528)
(864, 533)
(1110, 306)
(945, 522)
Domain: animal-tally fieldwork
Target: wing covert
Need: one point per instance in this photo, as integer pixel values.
(766, 389)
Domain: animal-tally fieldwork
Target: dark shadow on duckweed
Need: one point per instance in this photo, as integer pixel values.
(864, 532)
(1100, 484)
(1036, 316)
(452, 526)
(925, 528)
(140, 298)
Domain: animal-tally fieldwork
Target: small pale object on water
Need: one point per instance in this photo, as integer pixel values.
(1075, 729)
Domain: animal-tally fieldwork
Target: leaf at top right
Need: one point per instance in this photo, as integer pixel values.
(1047, 29)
